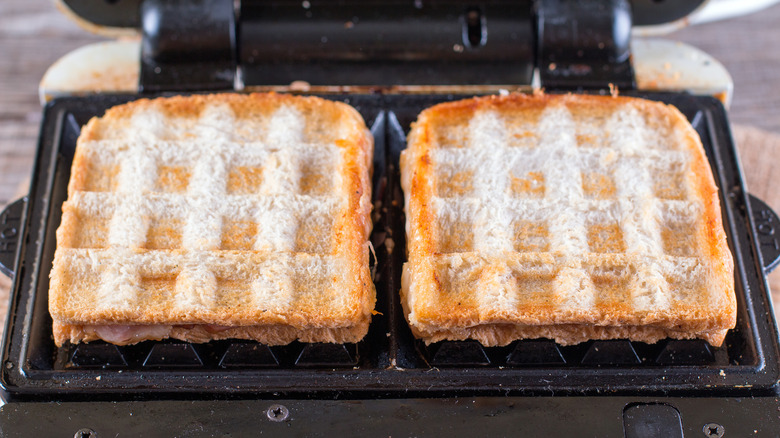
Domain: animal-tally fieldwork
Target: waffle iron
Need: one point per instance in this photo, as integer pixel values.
(390, 60)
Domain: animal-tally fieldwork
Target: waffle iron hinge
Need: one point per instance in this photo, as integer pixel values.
(187, 45)
(198, 45)
(387, 43)
(192, 45)
(584, 45)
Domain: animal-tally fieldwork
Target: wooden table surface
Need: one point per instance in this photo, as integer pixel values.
(33, 34)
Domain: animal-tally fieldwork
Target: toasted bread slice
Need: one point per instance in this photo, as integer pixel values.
(562, 216)
(205, 217)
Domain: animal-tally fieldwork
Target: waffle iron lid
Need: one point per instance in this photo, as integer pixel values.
(113, 17)
(207, 45)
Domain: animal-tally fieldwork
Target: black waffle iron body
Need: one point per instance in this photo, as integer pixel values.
(389, 383)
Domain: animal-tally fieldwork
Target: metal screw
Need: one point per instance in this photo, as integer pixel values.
(277, 413)
(85, 433)
(713, 430)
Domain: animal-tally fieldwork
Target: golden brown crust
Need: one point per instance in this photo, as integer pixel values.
(313, 281)
(559, 292)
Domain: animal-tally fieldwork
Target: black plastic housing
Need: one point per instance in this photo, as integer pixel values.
(389, 363)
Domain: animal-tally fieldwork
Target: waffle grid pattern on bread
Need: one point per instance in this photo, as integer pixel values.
(206, 217)
(566, 217)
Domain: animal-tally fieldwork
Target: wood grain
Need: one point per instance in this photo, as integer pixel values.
(759, 153)
(33, 34)
(748, 47)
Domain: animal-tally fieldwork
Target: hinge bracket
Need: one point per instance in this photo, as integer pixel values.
(188, 45)
(584, 45)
